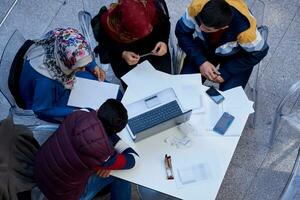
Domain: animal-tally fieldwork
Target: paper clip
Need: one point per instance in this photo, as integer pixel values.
(168, 166)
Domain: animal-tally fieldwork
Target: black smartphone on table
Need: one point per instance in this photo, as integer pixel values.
(215, 95)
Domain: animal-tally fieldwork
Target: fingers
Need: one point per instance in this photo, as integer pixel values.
(133, 59)
(160, 49)
(216, 71)
(102, 75)
(219, 79)
(134, 56)
(209, 71)
(156, 48)
(99, 73)
(130, 57)
(210, 74)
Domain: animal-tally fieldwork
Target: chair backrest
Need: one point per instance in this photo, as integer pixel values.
(175, 51)
(286, 107)
(14, 43)
(162, 5)
(264, 31)
(42, 132)
(290, 100)
(292, 188)
(178, 56)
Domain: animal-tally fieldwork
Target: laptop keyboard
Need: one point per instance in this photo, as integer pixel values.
(154, 117)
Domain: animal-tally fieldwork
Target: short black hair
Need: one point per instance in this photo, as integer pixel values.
(113, 116)
(215, 14)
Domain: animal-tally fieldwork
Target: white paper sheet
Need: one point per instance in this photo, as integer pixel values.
(140, 74)
(188, 88)
(145, 80)
(91, 94)
(193, 173)
(239, 102)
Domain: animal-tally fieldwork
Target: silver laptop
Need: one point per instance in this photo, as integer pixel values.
(155, 114)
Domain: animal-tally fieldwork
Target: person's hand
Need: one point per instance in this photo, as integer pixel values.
(103, 173)
(130, 57)
(209, 71)
(99, 73)
(219, 79)
(160, 49)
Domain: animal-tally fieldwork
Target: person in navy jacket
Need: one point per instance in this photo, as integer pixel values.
(76, 161)
(221, 41)
(49, 69)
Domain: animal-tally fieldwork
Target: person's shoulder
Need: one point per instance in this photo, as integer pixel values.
(96, 19)
(248, 36)
(195, 7)
(247, 28)
(82, 119)
(42, 81)
(85, 113)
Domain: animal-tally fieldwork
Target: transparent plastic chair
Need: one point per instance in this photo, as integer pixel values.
(287, 109)
(292, 188)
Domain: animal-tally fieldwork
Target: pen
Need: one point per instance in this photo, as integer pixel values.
(147, 54)
(168, 166)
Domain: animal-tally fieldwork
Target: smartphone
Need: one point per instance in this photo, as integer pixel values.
(215, 95)
(223, 123)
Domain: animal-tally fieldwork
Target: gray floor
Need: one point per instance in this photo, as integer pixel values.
(255, 172)
(5, 5)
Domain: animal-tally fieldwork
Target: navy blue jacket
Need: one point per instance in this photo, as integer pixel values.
(46, 97)
(241, 41)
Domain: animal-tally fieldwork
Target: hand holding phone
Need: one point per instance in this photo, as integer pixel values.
(215, 95)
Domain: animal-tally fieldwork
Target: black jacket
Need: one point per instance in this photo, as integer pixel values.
(108, 48)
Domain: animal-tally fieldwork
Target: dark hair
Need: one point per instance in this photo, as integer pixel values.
(113, 116)
(215, 14)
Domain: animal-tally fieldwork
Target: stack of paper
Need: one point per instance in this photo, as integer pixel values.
(88, 93)
(145, 80)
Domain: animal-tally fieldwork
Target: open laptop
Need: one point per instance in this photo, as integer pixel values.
(155, 114)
